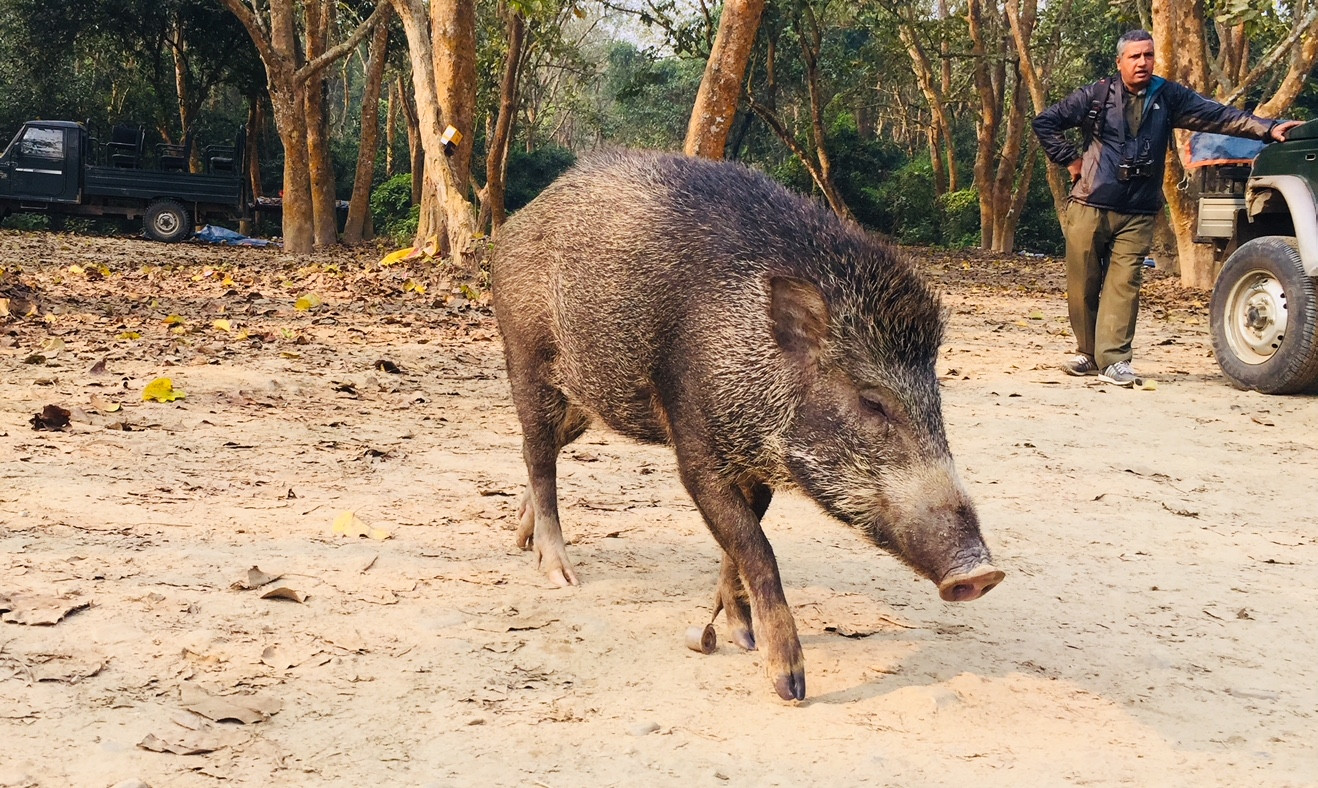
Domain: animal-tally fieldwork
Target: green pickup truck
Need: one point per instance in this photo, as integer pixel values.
(57, 168)
(1261, 216)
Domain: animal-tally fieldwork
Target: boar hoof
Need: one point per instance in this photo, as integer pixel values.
(552, 561)
(965, 586)
(791, 686)
(525, 521)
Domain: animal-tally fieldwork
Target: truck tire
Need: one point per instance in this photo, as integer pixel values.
(1263, 318)
(167, 221)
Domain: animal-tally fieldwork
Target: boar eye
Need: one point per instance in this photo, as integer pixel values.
(871, 404)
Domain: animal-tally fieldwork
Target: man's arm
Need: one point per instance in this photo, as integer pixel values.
(1196, 113)
(1069, 113)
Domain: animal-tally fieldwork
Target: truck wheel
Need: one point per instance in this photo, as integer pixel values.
(167, 221)
(1263, 318)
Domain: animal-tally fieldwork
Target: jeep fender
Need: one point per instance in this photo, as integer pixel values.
(1299, 203)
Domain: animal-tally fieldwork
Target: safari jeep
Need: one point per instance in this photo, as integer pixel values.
(1262, 219)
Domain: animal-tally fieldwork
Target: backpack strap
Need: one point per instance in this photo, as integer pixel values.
(1092, 125)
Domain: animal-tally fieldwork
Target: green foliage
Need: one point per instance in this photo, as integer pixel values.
(958, 214)
(907, 204)
(392, 210)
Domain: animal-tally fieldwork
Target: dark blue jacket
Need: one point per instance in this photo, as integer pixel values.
(1167, 105)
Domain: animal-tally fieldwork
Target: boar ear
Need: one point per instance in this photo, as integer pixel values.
(800, 317)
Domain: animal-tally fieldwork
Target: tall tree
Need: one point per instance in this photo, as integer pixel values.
(496, 159)
(716, 101)
(287, 72)
(359, 204)
(444, 205)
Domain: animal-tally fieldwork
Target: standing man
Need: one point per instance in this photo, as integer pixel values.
(1126, 121)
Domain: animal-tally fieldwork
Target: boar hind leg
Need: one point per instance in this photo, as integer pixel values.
(549, 423)
(736, 527)
(730, 597)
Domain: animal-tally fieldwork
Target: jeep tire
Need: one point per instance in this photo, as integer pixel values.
(167, 221)
(1263, 318)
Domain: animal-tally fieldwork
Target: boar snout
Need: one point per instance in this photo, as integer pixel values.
(965, 586)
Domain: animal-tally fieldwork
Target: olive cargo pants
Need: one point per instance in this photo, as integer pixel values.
(1105, 253)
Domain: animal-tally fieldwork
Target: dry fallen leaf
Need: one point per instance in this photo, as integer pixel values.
(52, 418)
(255, 578)
(243, 708)
(308, 302)
(65, 668)
(162, 390)
(349, 524)
(102, 405)
(98, 368)
(284, 592)
(52, 347)
(38, 610)
(222, 325)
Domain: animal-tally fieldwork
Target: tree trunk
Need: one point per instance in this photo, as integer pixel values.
(443, 204)
(359, 206)
(496, 161)
(251, 148)
(453, 37)
(390, 129)
(324, 216)
(986, 127)
(924, 75)
(416, 154)
(299, 229)
(720, 88)
(1037, 77)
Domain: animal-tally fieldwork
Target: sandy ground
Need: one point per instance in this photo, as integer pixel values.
(1154, 627)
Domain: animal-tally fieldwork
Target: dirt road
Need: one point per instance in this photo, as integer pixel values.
(1161, 549)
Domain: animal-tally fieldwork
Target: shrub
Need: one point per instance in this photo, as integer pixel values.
(959, 218)
(392, 210)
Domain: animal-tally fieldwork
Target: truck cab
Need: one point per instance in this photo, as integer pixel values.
(43, 163)
(1264, 224)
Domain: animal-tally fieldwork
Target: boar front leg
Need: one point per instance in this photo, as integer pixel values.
(736, 527)
(549, 422)
(730, 597)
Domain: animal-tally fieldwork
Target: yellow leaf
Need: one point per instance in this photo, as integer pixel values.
(162, 390)
(1036, 315)
(179, 330)
(349, 524)
(289, 354)
(411, 286)
(228, 281)
(394, 257)
(222, 325)
(242, 335)
(308, 302)
(75, 269)
(173, 320)
(130, 335)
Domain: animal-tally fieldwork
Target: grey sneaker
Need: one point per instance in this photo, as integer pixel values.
(1119, 374)
(1080, 366)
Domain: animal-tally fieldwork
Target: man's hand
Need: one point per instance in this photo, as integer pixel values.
(1280, 130)
(1076, 166)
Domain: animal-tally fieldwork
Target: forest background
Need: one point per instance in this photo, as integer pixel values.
(913, 119)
